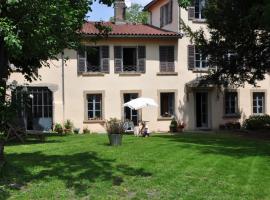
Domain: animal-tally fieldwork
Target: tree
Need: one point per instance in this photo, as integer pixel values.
(134, 14)
(34, 31)
(238, 44)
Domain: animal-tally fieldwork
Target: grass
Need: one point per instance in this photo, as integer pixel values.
(188, 166)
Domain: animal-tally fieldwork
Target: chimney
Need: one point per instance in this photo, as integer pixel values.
(119, 11)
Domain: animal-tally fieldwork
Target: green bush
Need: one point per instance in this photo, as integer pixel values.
(58, 128)
(68, 125)
(115, 126)
(86, 130)
(173, 125)
(257, 122)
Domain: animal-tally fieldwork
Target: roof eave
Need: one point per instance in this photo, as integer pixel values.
(135, 36)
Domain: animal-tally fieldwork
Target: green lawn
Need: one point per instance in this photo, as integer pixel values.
(188, 166)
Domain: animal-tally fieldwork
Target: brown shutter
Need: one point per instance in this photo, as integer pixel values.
(170, 60)
(141, 58)
(163, 58)
(118, 61)
(162, 16)
(81, 60)
(170, 12)
(105, 59)
(191, 57)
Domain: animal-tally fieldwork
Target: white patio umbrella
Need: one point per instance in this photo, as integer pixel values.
(141, 102)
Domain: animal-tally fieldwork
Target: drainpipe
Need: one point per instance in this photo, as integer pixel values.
(63, 86)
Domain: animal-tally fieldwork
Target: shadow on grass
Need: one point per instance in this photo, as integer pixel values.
(78, 171)
(227, 145)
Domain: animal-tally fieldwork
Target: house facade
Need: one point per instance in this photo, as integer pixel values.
(135, 60)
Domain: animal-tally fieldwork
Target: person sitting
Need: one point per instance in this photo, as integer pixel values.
(146, 132)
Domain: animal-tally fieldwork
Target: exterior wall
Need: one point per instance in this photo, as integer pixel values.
(112, 85)
(148, 84)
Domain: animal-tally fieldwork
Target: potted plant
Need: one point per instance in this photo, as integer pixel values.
(76, 130)
(68, 125)
(86, 130)
(180, 126)
(173, 126)
(58, 128)
(115, 129)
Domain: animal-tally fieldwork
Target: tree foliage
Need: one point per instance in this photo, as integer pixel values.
(238, 45)
(135, 14)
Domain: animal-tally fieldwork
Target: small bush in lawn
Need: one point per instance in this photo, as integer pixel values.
(257, 122)
(58, 128)
(86, 130)
(68, 125)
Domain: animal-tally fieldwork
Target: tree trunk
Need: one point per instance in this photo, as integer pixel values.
(3, 68)
(2, 145)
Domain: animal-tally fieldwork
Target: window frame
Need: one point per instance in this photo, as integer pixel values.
(167, 61)
(200, 60)
(86, 108)
(236, 106)
(264, 104)
(198, 8)
(175, 92)
(167, 19)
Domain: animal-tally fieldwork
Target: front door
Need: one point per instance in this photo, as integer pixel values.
(201, 109)
(129, 114)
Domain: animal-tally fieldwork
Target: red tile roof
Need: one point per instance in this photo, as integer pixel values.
(128, 29)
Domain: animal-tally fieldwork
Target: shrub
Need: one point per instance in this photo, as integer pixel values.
(86, 130)
(257, 122)
(68, 125)
(58, 128)
(115, 126)
(173, 125)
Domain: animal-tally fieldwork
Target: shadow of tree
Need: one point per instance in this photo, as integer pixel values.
(227, 145)
(78, 171)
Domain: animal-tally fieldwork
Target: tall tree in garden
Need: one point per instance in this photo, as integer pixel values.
(34, 31)
(135, 14)
(238, 46)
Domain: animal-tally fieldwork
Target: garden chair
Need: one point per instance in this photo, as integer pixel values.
(129, 127)
(16, 130)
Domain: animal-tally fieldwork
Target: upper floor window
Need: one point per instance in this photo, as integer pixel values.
(166, 14)
(196, 59)
(231, 103)
(166, 57)
(197, 11)
(93, 59)
(258, 102)
(129, 59)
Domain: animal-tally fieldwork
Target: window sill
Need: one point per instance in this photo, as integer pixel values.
(130, 73)
(199, 21)
(201, 70)
(164, 118)
(167, 74)
(94, 121)
(231, 116)
(93, 74)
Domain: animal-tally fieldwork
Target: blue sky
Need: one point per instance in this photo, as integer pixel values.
(103, 12)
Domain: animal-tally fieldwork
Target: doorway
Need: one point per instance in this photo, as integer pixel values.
(201, 104)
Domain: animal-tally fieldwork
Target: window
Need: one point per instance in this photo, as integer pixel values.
(200, 59)
(258, 102)
(167, 105)
(166, 14)
(199, 9)
(129, 59)
(231, 103)
(36, 101)
(94, 105)
(166, 57)
(93, 59)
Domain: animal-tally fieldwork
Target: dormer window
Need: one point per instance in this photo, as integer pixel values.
(166, 14)
(199, 9)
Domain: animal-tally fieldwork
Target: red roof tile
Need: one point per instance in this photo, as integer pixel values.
(128, 29)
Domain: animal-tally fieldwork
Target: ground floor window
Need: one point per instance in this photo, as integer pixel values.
(94, 105)
(231, 103)
(258, 102)
(167, 104)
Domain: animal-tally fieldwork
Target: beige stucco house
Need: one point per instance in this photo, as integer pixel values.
(155, 61)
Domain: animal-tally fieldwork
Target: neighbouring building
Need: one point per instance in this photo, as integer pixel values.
(154, 60)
